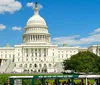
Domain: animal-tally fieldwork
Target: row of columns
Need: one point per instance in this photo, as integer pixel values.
(28, 38)
(36, 52)
(98, 51)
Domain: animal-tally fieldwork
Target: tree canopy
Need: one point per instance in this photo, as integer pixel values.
(83, 62)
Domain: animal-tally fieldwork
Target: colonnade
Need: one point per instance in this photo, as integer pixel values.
(35, 52)
(40, 38)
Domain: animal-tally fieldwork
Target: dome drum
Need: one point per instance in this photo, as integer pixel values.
(36, 38)
(36, 30)
(34, 26)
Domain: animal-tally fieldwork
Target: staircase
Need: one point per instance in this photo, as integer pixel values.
(4, 66)
(7, 67)
(10, 67)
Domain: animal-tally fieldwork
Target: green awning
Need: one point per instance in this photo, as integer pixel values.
(57, 76)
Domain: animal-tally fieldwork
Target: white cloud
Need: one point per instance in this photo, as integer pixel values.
(30, 4)
(16, 28)
(96, 31)
(2, 27)
(76, 40)
(9, 6)
(33, 5)
(67, 38)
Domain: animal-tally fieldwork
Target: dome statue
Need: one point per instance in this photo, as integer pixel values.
(36, 19)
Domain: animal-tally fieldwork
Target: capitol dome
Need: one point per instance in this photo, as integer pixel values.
(36, 19)
(36, 30)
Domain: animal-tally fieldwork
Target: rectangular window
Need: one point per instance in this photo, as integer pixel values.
(66, 55)
(18, 59)
(9, 55)
(52, 54)
(36, 52)
(62, 55)
(5, 55)
(18, 54)
(44, 59)
(59, 55)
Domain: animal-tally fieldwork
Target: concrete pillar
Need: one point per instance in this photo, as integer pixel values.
(35, 37)
(25, 52)
(41, 38)
(32, 37)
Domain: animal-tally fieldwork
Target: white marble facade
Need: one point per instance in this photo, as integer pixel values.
(36, 53)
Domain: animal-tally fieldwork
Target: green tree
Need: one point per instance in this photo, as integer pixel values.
(83, 62)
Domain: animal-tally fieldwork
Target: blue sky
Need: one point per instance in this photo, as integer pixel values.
(72, 22)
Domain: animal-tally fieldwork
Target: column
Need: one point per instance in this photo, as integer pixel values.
(37, 52)
(46, 52)
(27, 37)
(34, 37)
(30, 37)
(41, 37)
(41, 53)
(44, 37)
(33, 52)
(25, 52)
(37, 37)
(22, 53)
(47, 38)
(28, 52)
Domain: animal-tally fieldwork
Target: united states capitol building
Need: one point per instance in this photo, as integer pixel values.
(36, 53)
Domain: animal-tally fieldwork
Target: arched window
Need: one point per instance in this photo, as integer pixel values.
(45, 65)
(35, 71)
(15, 65)
(40, 65)
(20, 65)
(30, 65)
(49, 65)
(25, 65)
(35, 65)
(38, 70)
